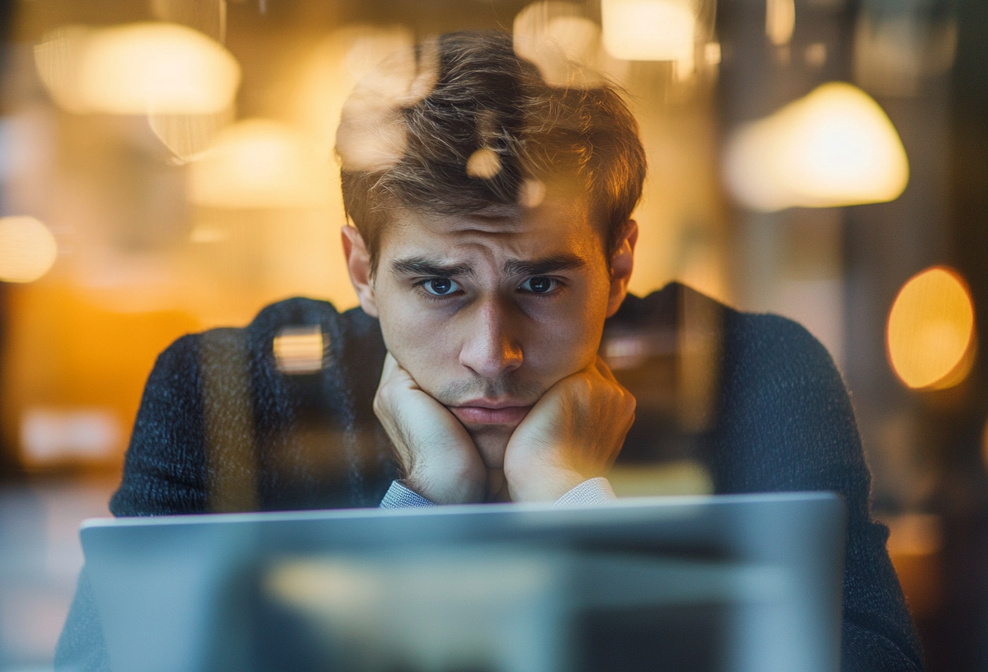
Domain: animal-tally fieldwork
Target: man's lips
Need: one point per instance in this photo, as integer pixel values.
(483, 412)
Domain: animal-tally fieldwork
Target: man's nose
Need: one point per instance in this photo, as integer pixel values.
(490, 346)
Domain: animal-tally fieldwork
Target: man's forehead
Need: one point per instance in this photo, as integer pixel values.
(556, 211)
(453, 266)
(513, 231)
(466, 246)
(493, 219)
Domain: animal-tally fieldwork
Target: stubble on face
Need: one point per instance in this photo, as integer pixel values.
(557, 337)
(491, 440)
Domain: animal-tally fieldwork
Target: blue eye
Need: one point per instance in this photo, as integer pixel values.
(540, 284)
(440, 286)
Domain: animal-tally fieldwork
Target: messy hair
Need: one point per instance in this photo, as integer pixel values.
(469, 100)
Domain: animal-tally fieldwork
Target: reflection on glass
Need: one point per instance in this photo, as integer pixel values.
(299, 350)
(832, 148)
(931, 330)
(984, 445)
(27, 249)
(137, 68)
(49, 436)
(189, 135)
(260, 163)
(895, 51)
(370, 135)
(483, 164)
(649, 30)
(780, 21)
(563, 43)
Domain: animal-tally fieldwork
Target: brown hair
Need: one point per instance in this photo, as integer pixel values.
(467, 92)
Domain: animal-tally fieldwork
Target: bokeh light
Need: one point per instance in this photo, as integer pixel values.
(299, 350)
(27, 249)
(780, 21)
(565, 45)
(532, 193)
(930, 334)
(371, 135)
(483, 164)
(649, 30)
(260, 163)
(327, 76)
(137, 68)
(834, 147)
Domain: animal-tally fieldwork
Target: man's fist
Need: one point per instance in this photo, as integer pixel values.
(572, 434)
(439, 460)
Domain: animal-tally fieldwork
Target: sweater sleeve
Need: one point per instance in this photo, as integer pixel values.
(787, 424)
(164, 469)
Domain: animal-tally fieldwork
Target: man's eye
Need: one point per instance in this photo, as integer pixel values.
(540, 284)
(440, 286)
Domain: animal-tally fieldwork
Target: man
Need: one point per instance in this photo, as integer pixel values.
(491, 248)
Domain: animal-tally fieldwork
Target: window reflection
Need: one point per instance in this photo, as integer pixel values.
(169, 167)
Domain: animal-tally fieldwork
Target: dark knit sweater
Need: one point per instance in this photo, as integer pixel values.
(755, 399)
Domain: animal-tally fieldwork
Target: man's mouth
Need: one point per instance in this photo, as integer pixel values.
(490, 412)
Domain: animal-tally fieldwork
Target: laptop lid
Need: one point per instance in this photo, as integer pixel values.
(723, 583)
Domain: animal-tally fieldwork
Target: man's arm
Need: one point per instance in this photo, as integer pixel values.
(439, 459)
(164, 468)
(573, 434)
(787, 424)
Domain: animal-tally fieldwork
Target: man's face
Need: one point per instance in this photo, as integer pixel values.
(487, 312)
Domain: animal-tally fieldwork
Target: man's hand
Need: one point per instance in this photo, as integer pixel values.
(572, 434)
(437, 455)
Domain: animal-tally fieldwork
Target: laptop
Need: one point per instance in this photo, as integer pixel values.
(737, 583)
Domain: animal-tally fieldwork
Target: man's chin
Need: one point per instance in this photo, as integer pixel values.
(491, 443)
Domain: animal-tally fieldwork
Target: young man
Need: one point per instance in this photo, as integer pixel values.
(491, 248)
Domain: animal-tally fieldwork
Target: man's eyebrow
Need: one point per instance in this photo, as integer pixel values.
(423, 266)
(545, 266)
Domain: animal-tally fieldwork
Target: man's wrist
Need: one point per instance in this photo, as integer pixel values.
(591, 492)
(400, 496)
(544, 485)
(446, 489)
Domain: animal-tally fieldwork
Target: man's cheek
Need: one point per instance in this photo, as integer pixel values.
(413, 349)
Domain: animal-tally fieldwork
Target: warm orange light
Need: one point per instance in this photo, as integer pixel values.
(299, 350)
(189, 135)
(371, 135)
(138, 68)
(780, 21)
(564, 45)
(531, 194)
(259, 163)
(27, 249)
(649, 30)
(483, 164)
(930, 335)
(326, 78)
(832, 148)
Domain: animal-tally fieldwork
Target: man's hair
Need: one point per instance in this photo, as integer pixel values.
(469, 92)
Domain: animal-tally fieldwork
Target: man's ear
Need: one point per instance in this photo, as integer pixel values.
(358, 264)
(622, 263)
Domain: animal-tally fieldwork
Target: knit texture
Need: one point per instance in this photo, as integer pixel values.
(755, 399)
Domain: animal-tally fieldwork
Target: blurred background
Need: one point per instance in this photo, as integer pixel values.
(166, 166)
